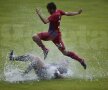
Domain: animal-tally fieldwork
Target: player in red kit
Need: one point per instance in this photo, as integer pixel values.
(54, 33)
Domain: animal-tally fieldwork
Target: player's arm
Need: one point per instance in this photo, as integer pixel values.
(29, 68)
(73, 13)
(44, 20)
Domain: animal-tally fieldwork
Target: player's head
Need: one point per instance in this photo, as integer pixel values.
(51, 7)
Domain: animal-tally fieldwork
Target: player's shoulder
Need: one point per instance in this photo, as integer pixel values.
(61, 12)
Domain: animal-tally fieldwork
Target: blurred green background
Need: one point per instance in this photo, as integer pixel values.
(85, 34)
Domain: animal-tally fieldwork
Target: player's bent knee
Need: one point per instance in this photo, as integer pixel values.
(35, 37)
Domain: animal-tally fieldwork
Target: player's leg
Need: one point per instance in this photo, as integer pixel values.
(12, 57)
(23, 58)
(59, 43)
(38, 40)
(74, 56)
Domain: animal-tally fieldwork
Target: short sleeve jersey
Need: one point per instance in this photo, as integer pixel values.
(54, 20)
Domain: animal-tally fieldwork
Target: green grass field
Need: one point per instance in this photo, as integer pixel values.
(86, 34)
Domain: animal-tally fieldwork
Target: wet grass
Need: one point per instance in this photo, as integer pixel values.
(85, 34)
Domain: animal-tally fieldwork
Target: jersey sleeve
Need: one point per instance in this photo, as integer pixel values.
(55, 17)
(62, 12)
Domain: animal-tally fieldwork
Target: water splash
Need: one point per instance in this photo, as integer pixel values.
(13, 72)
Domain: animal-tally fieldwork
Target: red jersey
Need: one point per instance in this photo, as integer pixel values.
(54, 20)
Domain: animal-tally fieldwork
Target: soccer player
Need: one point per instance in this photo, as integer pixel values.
(54, 33)
(42, 70)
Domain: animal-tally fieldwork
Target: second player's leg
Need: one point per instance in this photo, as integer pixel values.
(23, 58)
(13, 57)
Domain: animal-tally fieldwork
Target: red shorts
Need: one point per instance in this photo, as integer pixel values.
(56, 39)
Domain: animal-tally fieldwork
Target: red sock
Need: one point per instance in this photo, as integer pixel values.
(74, 56)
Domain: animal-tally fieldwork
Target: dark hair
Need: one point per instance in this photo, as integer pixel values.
(51, 6)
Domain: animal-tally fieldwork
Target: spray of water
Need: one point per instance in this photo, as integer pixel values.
(13, 72)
